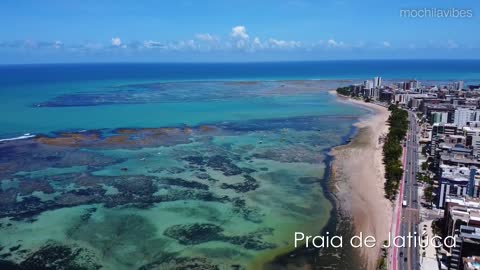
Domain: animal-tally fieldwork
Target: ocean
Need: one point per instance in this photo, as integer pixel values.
(22, 86)
(165, 166)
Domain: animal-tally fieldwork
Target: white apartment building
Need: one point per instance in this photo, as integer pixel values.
(458, 85)
(472, 135)
(464, 115)
(368, 84)
(377, 82)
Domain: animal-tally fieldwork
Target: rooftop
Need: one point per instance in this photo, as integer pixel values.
(470, 234)
(440, 106)
(445, 124)
(467, 128)
(454, 173)
(466, 212)
(458, 158)
(473, 203)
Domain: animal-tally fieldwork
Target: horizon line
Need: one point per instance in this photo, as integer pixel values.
(239, 62)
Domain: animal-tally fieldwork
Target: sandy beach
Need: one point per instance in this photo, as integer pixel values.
(358, 178)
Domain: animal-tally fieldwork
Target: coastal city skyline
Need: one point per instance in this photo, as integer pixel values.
(439, 189)
(236, 31)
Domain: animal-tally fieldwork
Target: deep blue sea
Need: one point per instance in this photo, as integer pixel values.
(468, 70)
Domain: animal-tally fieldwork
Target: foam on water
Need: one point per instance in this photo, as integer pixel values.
(24, 136)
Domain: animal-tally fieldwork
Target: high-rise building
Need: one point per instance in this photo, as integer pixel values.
(377, 82)
(368, 84)
(462, 222)
(455, 181)
(458, 85)
(439, 117)
(472, 135)
(414, 84)
(463, 116)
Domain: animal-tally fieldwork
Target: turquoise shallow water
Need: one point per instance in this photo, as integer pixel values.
(151, 107)
(165, 175)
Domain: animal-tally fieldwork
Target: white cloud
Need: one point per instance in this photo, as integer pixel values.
(241, 40)
(257, 43)
(150, 44)
(452, 44)
(239, 32)
(275, 43)
(241, 44)
(92, 46)
(116, 42)
(238, 39)
(183, 45)
(58, 44)
(334, 44)
(206, 37)
(31, 44)
(190, 44)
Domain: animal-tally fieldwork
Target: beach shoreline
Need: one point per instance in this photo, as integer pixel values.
(357, 172)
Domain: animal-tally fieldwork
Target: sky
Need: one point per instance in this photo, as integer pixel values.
(50, 31)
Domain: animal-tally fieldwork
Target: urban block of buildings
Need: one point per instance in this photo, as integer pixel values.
(449, 117)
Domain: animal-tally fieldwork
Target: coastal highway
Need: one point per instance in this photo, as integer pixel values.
(408, 256)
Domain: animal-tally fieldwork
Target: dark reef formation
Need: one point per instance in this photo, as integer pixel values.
(249, 184)
(197, 233)
(160, 93)
(134, 190)
(169, 181)
(217, 162)
(181, 263)
(55, 256)
(69, 169)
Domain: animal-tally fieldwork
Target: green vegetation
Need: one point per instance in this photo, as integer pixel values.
(392, 150)
(428, 191)
(424, 178)
(345, 91)
(428, 194)
(424, 166)
(382, 261)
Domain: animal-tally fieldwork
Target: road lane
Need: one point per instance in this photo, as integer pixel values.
(409, 222)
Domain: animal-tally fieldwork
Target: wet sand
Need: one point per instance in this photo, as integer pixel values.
(358, 178)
